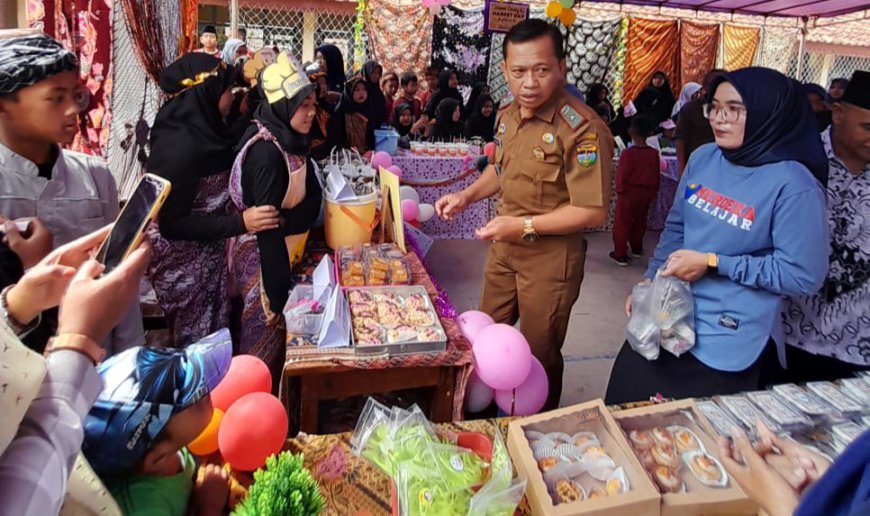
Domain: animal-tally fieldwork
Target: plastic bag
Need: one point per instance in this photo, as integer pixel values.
(495, 499)
(642, 331)
(675, 316)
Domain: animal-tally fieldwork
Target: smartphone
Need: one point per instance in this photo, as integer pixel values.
(142, 207)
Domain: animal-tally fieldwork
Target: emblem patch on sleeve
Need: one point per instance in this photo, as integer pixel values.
(587, 154)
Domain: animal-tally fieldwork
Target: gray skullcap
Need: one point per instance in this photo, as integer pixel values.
(26, 60)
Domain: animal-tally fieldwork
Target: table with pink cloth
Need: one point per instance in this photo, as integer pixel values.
(667, 190)
(433, 177)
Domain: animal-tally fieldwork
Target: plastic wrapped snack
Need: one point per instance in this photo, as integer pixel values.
(421, 491)
(781, 413)
(718, 418)
(676, 313)
(835, 397)
(496, 499)
(747, 412)
(641, 331)
(805, 401)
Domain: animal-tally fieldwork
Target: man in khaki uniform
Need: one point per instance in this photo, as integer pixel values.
(552, 169)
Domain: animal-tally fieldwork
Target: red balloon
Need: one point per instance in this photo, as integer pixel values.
(254, 428)
(247, 374)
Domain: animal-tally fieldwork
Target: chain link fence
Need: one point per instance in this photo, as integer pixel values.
(821, 68)
(300, 31)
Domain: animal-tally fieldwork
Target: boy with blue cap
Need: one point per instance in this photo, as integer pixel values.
(154, 402)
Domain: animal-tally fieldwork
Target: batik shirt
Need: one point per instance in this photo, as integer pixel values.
(836, 321)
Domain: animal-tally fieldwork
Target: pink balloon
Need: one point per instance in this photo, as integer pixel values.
(428, 3)
(471, 322)
(410, 210)
(252, 429)
(381, 159)
(478, 395)
(502, 356)
(489, 149)
(529, 397)
(395, 170)
(663, 165)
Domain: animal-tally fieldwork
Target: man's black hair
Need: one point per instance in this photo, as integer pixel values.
(532, 29)
(408, 78)
(642, 126)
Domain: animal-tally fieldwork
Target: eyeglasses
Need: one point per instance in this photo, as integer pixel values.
(726, 113)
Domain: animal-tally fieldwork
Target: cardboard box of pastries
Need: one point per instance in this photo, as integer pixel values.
(576, 460)
(678, 449)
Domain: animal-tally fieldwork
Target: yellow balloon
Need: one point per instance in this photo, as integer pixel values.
(568, 16)
(554, 9)
(207, 441)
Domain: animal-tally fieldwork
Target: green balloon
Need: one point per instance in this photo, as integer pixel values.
(567, 4)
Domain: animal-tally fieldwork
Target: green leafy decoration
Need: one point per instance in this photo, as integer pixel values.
(283, 488)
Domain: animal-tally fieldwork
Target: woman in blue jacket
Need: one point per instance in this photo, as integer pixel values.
(747, 227)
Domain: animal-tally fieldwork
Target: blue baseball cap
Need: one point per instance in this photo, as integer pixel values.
(143, 388)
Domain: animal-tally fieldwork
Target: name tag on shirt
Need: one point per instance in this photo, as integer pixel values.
(726, 321)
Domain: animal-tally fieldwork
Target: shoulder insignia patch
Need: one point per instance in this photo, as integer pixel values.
(571, 116)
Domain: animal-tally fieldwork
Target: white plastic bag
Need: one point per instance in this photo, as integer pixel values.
(641, 331)
(675, 313)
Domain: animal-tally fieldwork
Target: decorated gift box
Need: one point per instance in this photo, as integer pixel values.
(677, 449)
(576, 460)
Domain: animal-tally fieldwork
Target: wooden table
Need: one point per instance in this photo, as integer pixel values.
(313, 375)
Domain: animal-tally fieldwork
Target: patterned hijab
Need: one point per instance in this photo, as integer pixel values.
(27, 60)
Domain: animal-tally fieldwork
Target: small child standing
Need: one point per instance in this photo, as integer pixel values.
(389, 85)
(155, 401)
(410, 86)
(637, 183)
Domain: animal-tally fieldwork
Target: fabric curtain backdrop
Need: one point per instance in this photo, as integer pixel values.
(778, 46)
(144, 22)
(400, 36)
(591, 48)
(699, 43)
(741, 43)
(651, 46)
(85, 28)
(189, 38)
(498, 86)
(459, 43)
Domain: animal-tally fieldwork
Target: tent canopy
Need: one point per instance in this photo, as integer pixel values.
(808, 8)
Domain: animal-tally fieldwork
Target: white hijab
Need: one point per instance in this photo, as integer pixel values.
(686, 95)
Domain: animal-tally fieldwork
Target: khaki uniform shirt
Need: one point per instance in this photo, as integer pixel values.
(561, 156)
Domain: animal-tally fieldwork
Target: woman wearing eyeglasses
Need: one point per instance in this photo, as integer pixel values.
(747, 228)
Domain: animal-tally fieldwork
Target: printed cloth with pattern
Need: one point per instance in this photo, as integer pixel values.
(778, 46)
(651, 46)
(836, 321)
(740, 46)
(699, 43)
(498, 86)
(459, 43)
(591, 47)
(399, 35)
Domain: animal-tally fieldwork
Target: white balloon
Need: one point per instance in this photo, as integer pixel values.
(406, 192)
(427, 211)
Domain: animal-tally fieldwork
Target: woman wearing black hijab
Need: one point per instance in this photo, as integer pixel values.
(352, 124)
(404, 124)
(372, 72)
(448, 125)
(448, 82)
(332, 64)
(192, 148)
(273, 168)
(480, 88)
(481, 122)
(747, 228)
(656, 101)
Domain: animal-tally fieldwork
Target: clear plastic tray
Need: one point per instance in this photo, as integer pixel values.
(412, 345)
(308, 323)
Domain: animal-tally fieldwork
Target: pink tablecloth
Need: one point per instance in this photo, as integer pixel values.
(667, 190)
(448, 174)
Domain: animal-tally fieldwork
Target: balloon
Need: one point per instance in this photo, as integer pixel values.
(489, 149)
(471, 322)
(663, 165)
(434, 10)
(502, 357)
(410, 210)
(568, 16)
(428, 3)
(553, 9)
(381, 159)
(529, 397)
(567, 4)
(254, 428)
(406, 192)
(478, 395)
(395, 170)
(427, 211)
(207, 441)
(247, 374)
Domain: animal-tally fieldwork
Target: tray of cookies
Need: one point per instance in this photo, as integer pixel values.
(372, 265)
(394, 320)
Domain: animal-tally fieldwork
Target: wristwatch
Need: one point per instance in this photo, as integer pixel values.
(712, 262)
(529, 233)
(76, 342)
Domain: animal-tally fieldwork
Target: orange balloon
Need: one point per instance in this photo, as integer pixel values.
(554, 9)
(207, 441)
(568, 16)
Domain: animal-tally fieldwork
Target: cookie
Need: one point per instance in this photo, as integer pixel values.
(429, 335)
(401, 333)
(421, 317)
(568, 491)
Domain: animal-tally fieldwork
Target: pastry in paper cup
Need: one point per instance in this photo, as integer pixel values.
(706, 468)
(668, 480)
(641, 439)
(568, 491)
(596, 492)
(599, 467)
(666, 455)
(533, 436)
(583, 440)
(685, 439)
(662, 436)
(560, 438)
(544, 448)
(568, 452)
(560, 471)
(617, 482)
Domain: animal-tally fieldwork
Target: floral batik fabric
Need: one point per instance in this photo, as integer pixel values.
(779, 44)
(651, 46)
(390, 27)
(459, 43)
(699, 43)
(498, 86)
(740, 45)
(591, 47)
